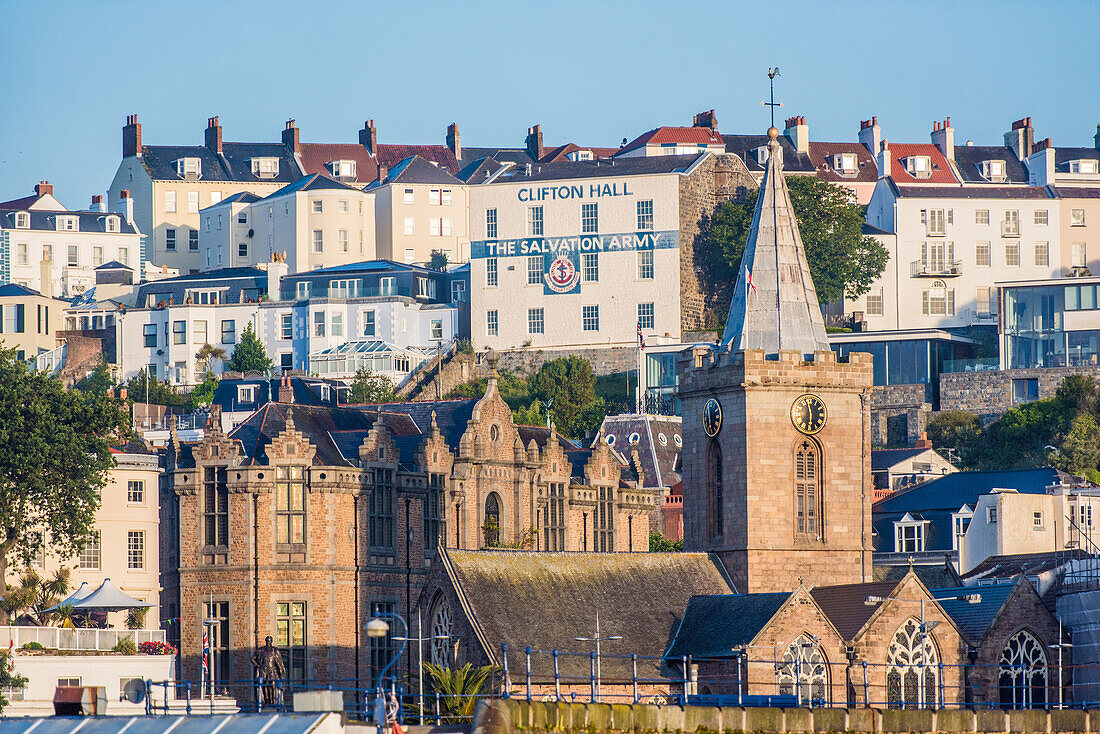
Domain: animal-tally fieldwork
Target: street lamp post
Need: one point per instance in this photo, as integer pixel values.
(378, 628)
(598, 638)
(420, 639)
(1060, 646)
(924, 627)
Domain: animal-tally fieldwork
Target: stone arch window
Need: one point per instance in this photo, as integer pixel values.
(442, 632)
(912, 668)
(804, 663)
(1023, 674)
(492, 520)
(807, 487)
(714, 488)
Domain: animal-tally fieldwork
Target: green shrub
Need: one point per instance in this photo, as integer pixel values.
(33, 646)
(126, 646)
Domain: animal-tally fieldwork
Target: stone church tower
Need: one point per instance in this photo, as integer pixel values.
(776, 428)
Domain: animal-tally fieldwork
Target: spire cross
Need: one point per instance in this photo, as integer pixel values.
(772, 74)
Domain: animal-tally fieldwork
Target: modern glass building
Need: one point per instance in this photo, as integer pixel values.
(1050, 323)
(907, 357)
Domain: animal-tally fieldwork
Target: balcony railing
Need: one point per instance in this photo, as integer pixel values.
(981, 364)
(61, 638)
(936, 268)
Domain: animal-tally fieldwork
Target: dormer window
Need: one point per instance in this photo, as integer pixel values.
(326, 393)
(68, 224)
(342, 169)
(579, 155)
(909, 534)
(246, 394)
(22, 220)
(1083, 165)
(761, 154)
(845, 163)
(189, 168)
(265, 167)
(918, 166)
(112, 224)
(993, 171)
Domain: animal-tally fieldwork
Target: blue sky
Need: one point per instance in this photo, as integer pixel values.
(591, 72)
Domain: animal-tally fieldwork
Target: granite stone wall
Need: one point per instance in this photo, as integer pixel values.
(990, 393)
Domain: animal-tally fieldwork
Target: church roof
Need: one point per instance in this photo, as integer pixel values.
(713, 626)
(544, 600)
(775, 305)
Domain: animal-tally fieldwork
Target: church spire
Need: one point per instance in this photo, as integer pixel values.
(774, 304)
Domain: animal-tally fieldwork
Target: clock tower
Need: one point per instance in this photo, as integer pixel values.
(776, 427)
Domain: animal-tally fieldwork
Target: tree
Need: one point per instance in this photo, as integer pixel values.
(35, 595)
(250, 355)
(97, 382)
(570, 384)
(658, 543)
(141, 389)
(955, 430)
(208, 357)
(438, 260)
(460, 689)
(203, 394)
(371, 387)
(54, 458)
(842, 260)
(8, 679)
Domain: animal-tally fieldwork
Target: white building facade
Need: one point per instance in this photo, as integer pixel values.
(577, 254)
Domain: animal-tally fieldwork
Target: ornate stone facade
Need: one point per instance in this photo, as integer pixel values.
(306, 520)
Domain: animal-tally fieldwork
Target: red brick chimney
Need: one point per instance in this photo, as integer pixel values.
(290, 137)
(42, 188)
(922, 442)
(214, 135)
(453, 141)
(705, 119)
(131, 137)
(368, 137)
(534, 142)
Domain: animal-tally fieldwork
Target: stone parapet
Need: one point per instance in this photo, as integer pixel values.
(701, 366)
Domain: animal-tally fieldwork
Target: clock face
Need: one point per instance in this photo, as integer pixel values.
(809, 414)
(712, 417)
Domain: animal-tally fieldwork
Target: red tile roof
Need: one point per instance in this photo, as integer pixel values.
(317, 156)
(821, 154)
(558, 154)
(390, 155)
(941, 170)
(689, 135)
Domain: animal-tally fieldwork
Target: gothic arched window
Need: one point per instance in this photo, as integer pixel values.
(442, 632)
(804, 662)
(492, 520)
(807, 487)
(1023, 679)
(714, 488)
(911, 657)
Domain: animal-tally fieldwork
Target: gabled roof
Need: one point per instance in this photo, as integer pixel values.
(415, 169)
(702, 136)
(315, 158)
(974, 619)
(241, 197)
(822, 157)
(390, 155)
(518, 156)
(940, 577)
(941, 169)
(968, 162)
(713, 626)
(844, 604)
(882, 459)
(774, 261)
(478, 169)
(546, 599)
(312, 182)
(14, 290)
(561, 153)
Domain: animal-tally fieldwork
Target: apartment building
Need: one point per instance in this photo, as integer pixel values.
(48, 248)
(315, 222)
(28, 320)
(421, 209)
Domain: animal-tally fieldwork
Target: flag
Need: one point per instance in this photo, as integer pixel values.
(205, 654)
(752, 285)
(641, 338)
(11, 655)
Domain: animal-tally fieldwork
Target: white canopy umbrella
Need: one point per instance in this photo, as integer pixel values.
(108, 598)
(79, 595)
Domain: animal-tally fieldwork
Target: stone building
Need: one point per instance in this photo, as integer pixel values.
(776, 475)
(306, 521)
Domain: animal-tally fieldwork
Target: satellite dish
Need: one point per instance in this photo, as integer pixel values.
(134, 690)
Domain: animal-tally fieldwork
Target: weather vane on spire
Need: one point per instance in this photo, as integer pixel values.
(772, 74)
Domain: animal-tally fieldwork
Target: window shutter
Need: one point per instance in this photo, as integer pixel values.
(924, 253)
(924, 216)
(950, 254)
(19, 310)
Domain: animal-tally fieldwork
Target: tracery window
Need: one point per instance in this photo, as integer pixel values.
(807, 483)
(1023, 679)
(442, 632)
(803, 662)
(555, 518)
(910, 658)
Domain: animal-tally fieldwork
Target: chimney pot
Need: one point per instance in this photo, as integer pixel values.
(290, 137)
(368, 137)
(124, 194)
(43, 188)
(131, 137)
(214, 135)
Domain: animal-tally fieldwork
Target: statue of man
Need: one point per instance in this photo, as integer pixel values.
(267, 665)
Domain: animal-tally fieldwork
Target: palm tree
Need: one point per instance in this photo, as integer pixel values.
(207, 357)
(459, 689)
(35, 594)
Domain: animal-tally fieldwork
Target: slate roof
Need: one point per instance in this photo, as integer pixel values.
(15, 290)
(660, 461)
(1062, 157)
(673, 135)
(560, 153)
(237, 280)
(241, 197)
(45, 219)
(546, 599)
(638, 166)
(871, 229)
(312, 182)
(941, 170)
(968, 162)
(821, 155)
(744, 145)
(974, 619)
(1075, 192)
(938, 498)
(883, 459)
(782, 311)
(234, 164)
(940, 577)
(451, 416)
(1026, 564)
(713, 626)
(989, 191)
(478, 169)
(518, 156)
(390, 155)
(843, 604)
(415, 169)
